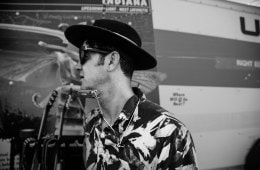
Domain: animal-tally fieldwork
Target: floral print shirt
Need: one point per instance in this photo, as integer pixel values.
(144, 136)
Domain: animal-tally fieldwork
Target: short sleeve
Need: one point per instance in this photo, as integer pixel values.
(178, 151)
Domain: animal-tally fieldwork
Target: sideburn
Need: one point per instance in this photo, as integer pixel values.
(101, 60)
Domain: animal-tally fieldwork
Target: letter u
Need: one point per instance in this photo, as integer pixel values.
(243, 27)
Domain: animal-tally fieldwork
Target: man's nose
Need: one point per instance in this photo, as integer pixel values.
(78, 66)
(79, 69)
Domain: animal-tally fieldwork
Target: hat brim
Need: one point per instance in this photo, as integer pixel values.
(77, 34)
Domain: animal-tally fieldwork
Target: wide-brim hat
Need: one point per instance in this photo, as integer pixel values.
(119, 34)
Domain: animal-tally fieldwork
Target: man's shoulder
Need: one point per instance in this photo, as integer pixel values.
(151, 107)
(154, 111)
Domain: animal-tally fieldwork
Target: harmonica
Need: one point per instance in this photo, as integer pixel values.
(86, 93)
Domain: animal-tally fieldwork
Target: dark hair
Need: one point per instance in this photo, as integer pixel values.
(125, 61)
(126, 66)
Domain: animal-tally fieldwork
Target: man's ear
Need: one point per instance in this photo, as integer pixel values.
(113, 60)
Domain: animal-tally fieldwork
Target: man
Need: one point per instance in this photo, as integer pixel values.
(127, 131)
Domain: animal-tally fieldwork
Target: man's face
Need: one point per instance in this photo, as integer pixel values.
(92, 71)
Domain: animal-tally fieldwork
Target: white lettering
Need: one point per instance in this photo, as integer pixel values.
(257, 64)
(141, 10)
(110, 2)
(117, 2)
(244, 63)
(123, 9)
(129, 2)
(142, 3)
(111, 9)
(136, 2)
(89, 8)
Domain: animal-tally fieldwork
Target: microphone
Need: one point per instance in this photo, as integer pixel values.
(86, 93)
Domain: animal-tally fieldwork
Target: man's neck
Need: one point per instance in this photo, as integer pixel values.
(113, 100)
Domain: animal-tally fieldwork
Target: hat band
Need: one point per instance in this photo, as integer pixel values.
(126, 38)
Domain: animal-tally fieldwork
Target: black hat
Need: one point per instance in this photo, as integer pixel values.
(117, 33)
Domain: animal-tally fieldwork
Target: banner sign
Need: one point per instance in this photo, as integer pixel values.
(237, 64)
(36, 58)
(32, 38)
(110, 6)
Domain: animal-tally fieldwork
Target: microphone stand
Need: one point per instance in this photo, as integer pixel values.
(35, 161)
(57, 161)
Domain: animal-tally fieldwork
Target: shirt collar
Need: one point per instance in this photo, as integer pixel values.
(128, 108)
(131, 104)
(124, 116)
